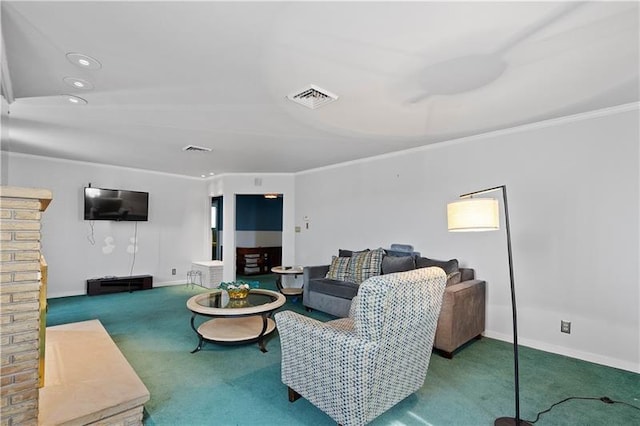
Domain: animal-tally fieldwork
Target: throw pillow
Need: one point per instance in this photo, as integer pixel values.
(392, 264)
(339, 268)
(364, 265)
(449, 266)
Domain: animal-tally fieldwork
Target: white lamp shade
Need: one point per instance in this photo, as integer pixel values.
(473, 214)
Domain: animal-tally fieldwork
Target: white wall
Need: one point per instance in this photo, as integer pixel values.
(230, 185)
(573, 188)
(258, 238)
(175, 235)
(574, 206)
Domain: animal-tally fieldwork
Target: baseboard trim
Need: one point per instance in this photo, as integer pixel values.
(169, 283)
(571, 353)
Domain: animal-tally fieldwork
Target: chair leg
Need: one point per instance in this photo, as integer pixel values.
(293, 395)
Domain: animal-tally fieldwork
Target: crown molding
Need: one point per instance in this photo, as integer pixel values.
(604, 112)
(88, 163)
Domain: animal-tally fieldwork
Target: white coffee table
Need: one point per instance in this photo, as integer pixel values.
(235, 320)
(281, 271)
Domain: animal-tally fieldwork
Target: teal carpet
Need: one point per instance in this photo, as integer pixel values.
(239, 385)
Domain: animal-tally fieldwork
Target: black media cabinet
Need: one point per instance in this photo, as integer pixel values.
(118, 284)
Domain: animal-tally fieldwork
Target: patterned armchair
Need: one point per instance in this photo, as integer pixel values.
(356, 368)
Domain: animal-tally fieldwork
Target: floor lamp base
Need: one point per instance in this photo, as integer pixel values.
(510, 421)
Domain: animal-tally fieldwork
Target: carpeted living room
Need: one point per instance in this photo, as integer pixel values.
(241, 385)
(154, 151)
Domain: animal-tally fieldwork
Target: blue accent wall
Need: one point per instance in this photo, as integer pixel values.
(256, 213)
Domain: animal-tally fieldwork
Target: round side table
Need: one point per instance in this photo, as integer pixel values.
(281, 271)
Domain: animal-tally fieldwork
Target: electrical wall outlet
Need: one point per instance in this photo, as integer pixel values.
(565, 327)
(173, 271)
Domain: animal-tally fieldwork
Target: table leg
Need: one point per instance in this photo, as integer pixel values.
(199, 345)
(261, 342)
(200, 339)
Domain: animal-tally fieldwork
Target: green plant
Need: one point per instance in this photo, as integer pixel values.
(235, 285)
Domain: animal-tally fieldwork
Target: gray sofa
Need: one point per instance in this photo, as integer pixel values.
(462, 317)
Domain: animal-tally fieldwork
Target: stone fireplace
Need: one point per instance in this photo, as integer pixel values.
(21, 295)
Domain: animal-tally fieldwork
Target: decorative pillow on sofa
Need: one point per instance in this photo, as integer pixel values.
(339, 268)
(449, 266)
(364, 265)
(392, 264)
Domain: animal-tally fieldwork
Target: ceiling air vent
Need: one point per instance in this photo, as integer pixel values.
(312, 97)
(194, 148)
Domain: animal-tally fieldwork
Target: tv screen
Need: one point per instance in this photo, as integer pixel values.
(115, 204)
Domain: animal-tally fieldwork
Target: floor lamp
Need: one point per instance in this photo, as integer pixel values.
(482, 214)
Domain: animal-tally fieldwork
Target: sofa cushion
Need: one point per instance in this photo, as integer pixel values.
(339, 268)
(364, 265)
(392, 264)
(454, 278)
(405, 248)
(348, 253)
(394, 253)
(467, 274)
(449, 266)
(343, 289)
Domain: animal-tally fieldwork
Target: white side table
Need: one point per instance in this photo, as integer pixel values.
(292, 271)
(211, 271)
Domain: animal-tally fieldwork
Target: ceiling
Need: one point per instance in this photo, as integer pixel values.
(217, 75)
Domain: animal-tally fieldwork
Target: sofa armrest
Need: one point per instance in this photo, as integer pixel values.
(462, 316)
(456, 289)
(310, 273)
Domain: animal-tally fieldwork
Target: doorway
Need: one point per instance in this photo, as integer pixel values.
(216, 228)
(258, 233)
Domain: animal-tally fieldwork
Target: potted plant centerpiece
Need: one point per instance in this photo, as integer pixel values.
(238, 289)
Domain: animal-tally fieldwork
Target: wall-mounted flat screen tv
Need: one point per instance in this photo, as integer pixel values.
(115, 204)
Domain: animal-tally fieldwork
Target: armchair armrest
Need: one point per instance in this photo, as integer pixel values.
(462, 316)
(320, 359)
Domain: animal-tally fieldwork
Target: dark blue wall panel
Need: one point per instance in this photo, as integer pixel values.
(256, 213)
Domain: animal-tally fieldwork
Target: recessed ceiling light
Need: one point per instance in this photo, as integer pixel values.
(211, 173)
(76, 100)
(84, 61)
(78, 83)
(203, 175)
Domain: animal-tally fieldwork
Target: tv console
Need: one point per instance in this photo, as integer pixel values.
(107, 285)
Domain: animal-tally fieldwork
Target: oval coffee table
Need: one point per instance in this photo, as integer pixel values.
(235, 320)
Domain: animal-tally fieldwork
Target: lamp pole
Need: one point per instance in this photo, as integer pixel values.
(505, 421)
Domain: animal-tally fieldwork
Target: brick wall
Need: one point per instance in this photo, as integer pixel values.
(20, 212)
